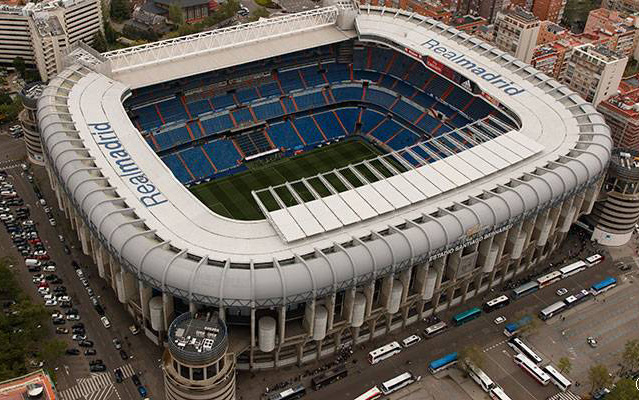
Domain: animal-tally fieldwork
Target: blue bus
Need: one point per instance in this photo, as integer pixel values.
(513, 328)
(466, 316)
(603, 286)
(525, 289)
(443, 363)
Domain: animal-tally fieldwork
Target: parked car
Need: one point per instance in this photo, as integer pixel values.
(78, 325)
(97, 361)
(86, 343)
(73, 317)
(561, 291)
(118, 375)
(123, 355)
(142, 391)
(134, 330)
(97, 368)
(136, 380)
(90, 352)
(50, 303)
(73, 352)
(78, 338)
(499, 320)
(117, 344)
(105, 322)
(61, 331)
(592, 342)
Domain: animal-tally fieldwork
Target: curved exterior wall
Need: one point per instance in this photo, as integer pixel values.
(29, 121)
(614, 217)
(427, 244)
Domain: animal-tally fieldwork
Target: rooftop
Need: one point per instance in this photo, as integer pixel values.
(600, 52)
(34, 385)
(521, 14)
(197, 337)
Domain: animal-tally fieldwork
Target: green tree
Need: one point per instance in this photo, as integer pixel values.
(630, 356)
(473, 355)
(175, 14)
(564, 365)
(529, 328)
(120, 10)
(99, 42)
(20, 66)
(258, 13)
(52, 350)
(598, 377)
(110, 34)
(576, 13)
(625, 389)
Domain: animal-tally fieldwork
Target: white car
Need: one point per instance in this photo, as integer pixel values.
(561, 291)
(64, 298)
(52, 221)
(73, 317)
(77, 337)
(50, 303)
(49, 268)
(44, 291)
(500, 320)
(56, 316)
(105, 322)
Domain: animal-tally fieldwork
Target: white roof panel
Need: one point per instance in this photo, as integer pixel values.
(502, 151)
(464, 168)
(406, 188)
(305, 220)
(491, 158)
(388, 191)
(513, 145)
(424, 185)
(450, 173)
(286, 225)
(525, 141)
(477, 162)
(376, 200)
(341, 210)
(324, 215)
(436, 178)
(358, 204)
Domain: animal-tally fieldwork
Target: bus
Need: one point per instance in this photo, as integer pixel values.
(384, 352)
(594, 259)
(532, 369)
(513, 328)
(435, 330)
(480, 378)
(443, 363)
(498, 393)
(290, 393)
(557, 378)
(552, 310)
(549, 279)
(497, 303)
(519, 346)
(466, 316)
(603, 286)
(572, 269)
(525, 289)
(329, 377)
(577, 298)
(371, 394)
(398, 382)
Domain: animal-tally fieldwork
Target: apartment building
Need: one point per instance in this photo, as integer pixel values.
(595, 72)
(516, 32)
(626, 7)
(549, 10)
(40, 32)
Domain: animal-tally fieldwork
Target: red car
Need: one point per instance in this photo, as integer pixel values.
(43, 257)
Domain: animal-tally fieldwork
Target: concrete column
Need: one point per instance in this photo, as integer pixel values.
(404, 278)
(100, 255)
(115, 268)
(168, 303)
(385, 293)
(347, 309)
(282, 323)
(252, 348)
(192, 307)
(129, 281)
(465, 286)
(145, 296)
(329, 303)
(309, 317)
(368, 292)
(439, 266)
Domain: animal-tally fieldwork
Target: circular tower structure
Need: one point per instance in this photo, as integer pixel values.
(616, 212)
(29, 121)
(196, 363)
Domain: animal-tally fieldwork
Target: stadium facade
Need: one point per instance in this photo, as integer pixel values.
(501, 161)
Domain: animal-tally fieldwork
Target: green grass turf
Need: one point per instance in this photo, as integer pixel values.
(231, 196)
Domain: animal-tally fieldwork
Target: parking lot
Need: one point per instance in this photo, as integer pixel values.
(66, 282)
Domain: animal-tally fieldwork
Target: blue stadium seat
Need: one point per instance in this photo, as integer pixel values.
(290, 80)
(172, 110)
(307, 101)
(307, 128)
(438, 86)
(199, 107)
(195, 129)
(424, 100)
(330, 125)
(242, 115)
(428, 123)
(348, 116)
(366, 75)
(223, 154)
(402, 139)
(222, 101)
(386, 130)
(312, 77)
(379, 97)
(337, 72)
(359, 58)
(370, 119)
(199, 166)
(283, 135)
(148, 117)
(175, 165)
(458, 98)
(348, 93)
(217, 124)
(268, 110)
(404, 89)
(423, 154)
(269, 89)
(407, 111)
(246, 95)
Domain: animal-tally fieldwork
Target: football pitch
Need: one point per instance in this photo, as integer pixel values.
(231, 196)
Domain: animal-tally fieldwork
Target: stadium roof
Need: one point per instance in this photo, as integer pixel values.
(161, 233)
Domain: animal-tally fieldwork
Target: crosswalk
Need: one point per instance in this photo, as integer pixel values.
(567, 395)
(489, 348)
(9, 164)
(127, 370)
(86, 388)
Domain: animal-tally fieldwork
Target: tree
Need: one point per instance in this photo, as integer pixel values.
(175, 14)
(110, 34)
(625, 389)
(473, 355)
(20, 66)
(52, 350)
(630, 356)
(529, 328)
(258, 13)
(120, 10)
(598, 377)
(564, 365)
(99, 42)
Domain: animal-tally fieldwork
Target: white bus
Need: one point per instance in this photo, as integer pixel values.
(549, 279)
(521, 347)
(557, 378)
(530, 367)
(498, 393)
(434, 330)
(594, 259)
(572, 269)
(371, 394)
(397, 383)
(480, 378)
(552, 310)
(384, 352)
(494, 304)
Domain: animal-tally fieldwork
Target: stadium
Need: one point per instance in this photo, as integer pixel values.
(316, 179)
